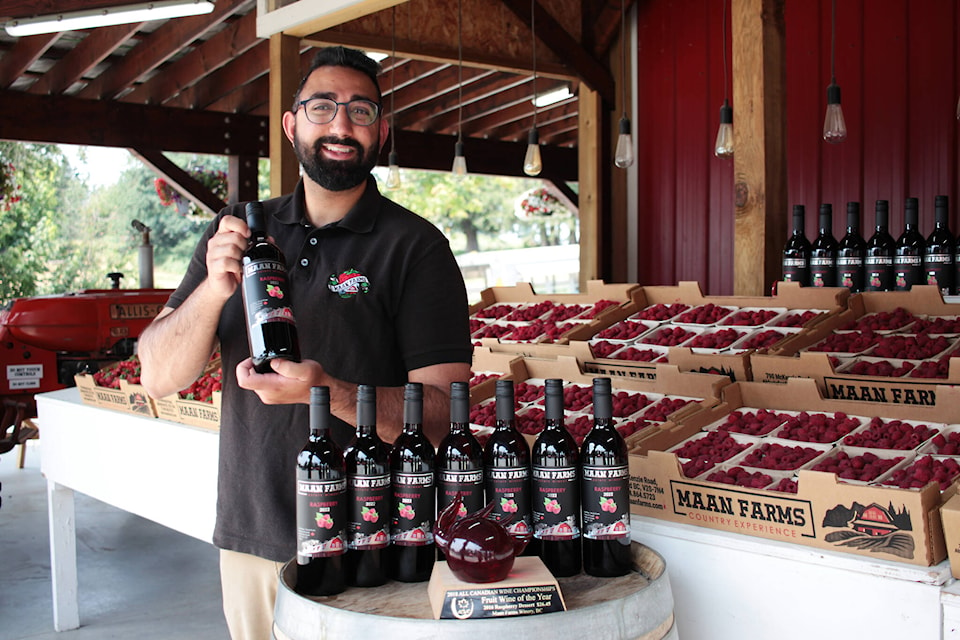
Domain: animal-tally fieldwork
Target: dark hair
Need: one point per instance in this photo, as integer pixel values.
(342, 57)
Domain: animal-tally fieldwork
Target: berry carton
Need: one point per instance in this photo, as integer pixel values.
(116, 386)
(834, 508)
(198, 405)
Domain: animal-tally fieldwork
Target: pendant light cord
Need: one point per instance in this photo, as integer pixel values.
(623, 56)
(393, 82)
(723, 46)
(833, 40)
(533, 33)
(459, 70)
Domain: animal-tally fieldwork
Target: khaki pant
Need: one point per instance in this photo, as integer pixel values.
(249, 587)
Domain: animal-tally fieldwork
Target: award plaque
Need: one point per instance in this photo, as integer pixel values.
(529, 589)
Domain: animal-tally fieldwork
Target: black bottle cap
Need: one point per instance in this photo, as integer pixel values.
(826, 216)
(413, 403)
(254, 212)
(366, 405)
(882, 213)
(319, 408)
(554, 398)
(911, 211)
(602, 402)
(505, 408)
(459, 402)
(853, 214)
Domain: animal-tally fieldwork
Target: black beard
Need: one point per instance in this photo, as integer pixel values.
(336, 175)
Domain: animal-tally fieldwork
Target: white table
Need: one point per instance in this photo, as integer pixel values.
(728, 585)
(163, 471)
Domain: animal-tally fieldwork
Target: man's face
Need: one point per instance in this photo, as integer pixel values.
(338, 155)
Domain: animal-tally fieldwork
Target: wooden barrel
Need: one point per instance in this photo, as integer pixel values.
(638, 606)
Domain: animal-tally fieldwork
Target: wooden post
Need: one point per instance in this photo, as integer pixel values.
(284, 79)
(589, 149)
(759, 134)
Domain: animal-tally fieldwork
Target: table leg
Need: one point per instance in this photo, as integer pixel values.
(63, 556)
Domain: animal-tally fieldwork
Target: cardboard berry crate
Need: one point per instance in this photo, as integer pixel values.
(789, 303)
(670, 388)
(129, 398)
(868, 519)
(799, 355)
(196, 413)
(535, 318)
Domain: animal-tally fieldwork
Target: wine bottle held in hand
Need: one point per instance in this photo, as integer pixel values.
(267, 303)
(321, 505)
(412, 552)
(605, 491)
(368, 492)
(460, 457)
(556, 489)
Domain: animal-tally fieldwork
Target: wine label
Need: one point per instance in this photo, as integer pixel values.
(908, 271)
(468, 483)
(411, 524)
(606, 507)
(878, 273)
(938, 270)
(368, 526)
(850, 272)
(265, 292)
(509, 489)
(321, 519)
(796, 270)
(556, 503)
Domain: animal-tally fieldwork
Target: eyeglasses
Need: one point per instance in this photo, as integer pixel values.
(324, 110)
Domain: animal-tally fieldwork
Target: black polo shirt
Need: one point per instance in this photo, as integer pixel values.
(374, 295)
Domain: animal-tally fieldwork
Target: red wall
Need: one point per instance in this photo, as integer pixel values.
(897, 66)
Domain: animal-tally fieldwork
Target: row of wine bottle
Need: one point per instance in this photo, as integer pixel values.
(366, 515)
(880, 263)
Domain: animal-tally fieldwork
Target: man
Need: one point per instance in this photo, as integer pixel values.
(405, 320)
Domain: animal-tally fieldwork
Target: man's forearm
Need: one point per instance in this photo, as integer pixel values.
(177, 345)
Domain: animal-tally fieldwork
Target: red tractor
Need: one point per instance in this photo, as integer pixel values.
(45, 341)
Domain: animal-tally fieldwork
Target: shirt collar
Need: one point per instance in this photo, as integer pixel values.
(360, 219)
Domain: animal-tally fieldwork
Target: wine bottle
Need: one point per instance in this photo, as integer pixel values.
(321, 505)
(938, 259)
(878, 264)
(796, 253)
(271, 328)
(413, 506)
(851, 251)
(460, 457)
(823, 252)
(506, 469)
(556, 489)
(368, 493)
(605, 491)
(908, 257)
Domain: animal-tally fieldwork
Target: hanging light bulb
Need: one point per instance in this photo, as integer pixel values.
(623, 157)
(393, 171)
(532, 164)
(459, 161)
(834, 126)
(724, 145)
(393, 159)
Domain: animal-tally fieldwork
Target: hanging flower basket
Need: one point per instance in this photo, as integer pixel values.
(9, 187)
(213, 179)
(539, 203)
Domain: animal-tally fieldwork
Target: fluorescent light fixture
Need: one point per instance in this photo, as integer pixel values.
(552, 97)
(376, 55)
(143, 12)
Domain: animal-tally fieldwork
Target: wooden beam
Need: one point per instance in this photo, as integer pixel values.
(760, 163)
(185, 184)
(284, 80)
(24, 53)
(32, 118)
(90, 52)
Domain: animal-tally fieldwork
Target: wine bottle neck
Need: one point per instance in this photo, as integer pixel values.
(459, 428)
(366, 429)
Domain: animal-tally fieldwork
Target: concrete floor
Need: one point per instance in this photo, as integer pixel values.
(137, 579)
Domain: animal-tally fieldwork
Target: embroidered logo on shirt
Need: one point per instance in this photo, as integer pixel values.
(348, 283)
